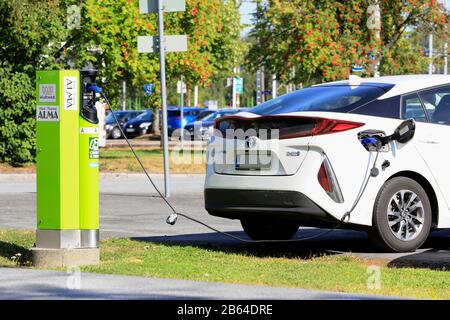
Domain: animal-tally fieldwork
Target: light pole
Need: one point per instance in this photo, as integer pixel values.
(374, 25)
(162, 63)
(446, 40)
(430, 53)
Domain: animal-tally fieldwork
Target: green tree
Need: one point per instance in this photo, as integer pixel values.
(30, 38)
(35, 36)
(320, 40)
(110, 29)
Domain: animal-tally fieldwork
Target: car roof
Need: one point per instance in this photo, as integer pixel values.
(174, 108)
(227, 110)
(401, 84)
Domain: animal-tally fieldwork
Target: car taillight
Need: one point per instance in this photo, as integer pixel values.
(288, 126)
(328, 181)
(323, 178)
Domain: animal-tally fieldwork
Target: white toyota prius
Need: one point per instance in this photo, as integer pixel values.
(368, 154)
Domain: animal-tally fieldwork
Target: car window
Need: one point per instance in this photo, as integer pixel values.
(335, 98)
(387, 108)
(412, 108)
(174, 113)
(146, 116)
(193, 112)
(210, 117)
(437, 104)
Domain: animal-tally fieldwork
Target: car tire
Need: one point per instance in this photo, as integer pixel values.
(115, 133)
(402, 216)
(269, 230)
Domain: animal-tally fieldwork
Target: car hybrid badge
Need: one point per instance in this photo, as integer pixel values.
(250, 142)
(293, 153)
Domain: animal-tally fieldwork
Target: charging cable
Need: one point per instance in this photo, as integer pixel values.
(172, 218)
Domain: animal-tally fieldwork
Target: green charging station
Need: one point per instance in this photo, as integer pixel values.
(67, 160)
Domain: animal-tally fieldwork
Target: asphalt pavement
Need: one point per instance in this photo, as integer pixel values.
(129, 207)
(18, 284)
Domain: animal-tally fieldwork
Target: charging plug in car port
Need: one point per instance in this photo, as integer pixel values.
(374, 140)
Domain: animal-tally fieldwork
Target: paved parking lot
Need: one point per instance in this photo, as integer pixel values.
(130, 208)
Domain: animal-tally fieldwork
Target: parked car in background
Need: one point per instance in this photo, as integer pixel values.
(202, 114)
(111, 126)
(139, 125)
(202, 129)
(174, 117)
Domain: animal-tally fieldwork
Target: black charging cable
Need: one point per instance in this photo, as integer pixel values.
(173, 216)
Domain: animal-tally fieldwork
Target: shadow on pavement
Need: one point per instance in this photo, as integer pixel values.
(337, 242)
(8, 250)
(334, 243)
(436, 257)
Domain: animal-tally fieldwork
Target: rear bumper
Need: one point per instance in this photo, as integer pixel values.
(241, 204)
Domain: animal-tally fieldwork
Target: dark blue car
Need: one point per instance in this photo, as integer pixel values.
(111, 127)
(139, 125)
(202, 129)
(174, 117)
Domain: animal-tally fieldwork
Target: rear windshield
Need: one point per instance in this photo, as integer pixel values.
(146, 116)
(121, 116)
(337, 98)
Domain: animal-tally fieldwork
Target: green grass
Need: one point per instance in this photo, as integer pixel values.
(14, 247)
(275, 265)
(122, 160)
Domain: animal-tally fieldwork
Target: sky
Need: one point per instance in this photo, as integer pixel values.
(247, 9)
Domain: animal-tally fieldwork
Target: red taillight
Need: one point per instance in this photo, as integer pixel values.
(289, 126)
(324, 179)
(328, 181)
(326, 126)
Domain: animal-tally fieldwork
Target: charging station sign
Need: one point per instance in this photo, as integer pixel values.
(70, 94)
(47, 93)
(93, 148)
(47, 113)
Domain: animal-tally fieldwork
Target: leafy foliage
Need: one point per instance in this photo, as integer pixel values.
(321, 40)
(30, 37)
(35, 36)
(111, 28)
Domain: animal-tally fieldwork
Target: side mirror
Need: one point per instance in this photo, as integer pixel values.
(405, 131)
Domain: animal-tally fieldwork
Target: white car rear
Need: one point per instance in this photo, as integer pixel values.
(298, 160)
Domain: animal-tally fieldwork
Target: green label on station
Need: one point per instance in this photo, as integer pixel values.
(93, 148)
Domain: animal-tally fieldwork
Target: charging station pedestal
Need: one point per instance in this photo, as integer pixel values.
(67, 170)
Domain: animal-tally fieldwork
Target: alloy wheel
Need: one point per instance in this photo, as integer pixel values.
(405, 215)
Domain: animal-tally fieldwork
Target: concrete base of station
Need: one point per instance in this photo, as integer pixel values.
(62, 258)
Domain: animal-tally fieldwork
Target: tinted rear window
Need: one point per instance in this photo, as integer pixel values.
(335, 98)
(146, 116)
(174, 113)
(387, 108)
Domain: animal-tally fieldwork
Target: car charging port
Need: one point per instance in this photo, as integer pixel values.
(374, 140)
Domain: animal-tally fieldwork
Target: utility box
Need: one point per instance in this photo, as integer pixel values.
(67, 160)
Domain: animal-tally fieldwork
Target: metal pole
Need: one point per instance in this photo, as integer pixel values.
(233, 98)
(196, 96)
(182, 108)
(263, 85)
(430, 54)
(274, 87)
(162, 62)
(258, 87)
(124, 95)
(446, 42)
